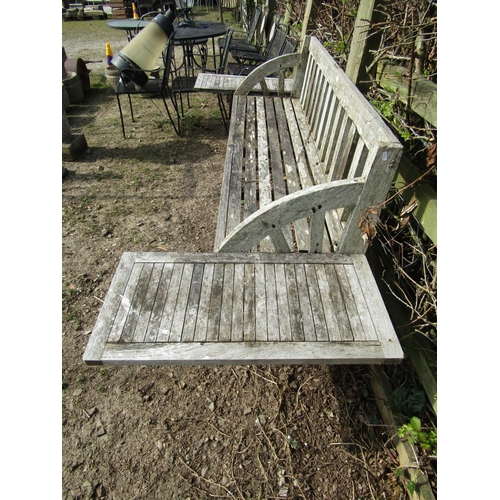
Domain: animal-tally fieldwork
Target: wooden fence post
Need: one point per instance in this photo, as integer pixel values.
(362, 41)
(309, 17)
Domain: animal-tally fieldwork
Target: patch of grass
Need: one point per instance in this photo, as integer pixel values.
(72, 316)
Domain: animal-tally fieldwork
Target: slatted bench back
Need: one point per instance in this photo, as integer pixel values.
(350, 136)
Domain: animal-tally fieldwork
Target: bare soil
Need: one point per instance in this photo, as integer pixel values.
(179, 433)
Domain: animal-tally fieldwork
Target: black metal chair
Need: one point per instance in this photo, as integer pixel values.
(226, 114)
(183, 81)
(243, 43)
(157, 85)
(247, 61)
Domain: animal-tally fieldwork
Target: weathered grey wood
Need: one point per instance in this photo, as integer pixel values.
(238, 304)
(285, 332)
(270, 67)
(227, 84)
(378, 311)
(202, 316)
(227, 304)
(364, 39)
(282, 301)
(295, 206)
(161, 297)
(237, 353)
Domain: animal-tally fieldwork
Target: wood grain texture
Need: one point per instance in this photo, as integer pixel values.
(240, 303)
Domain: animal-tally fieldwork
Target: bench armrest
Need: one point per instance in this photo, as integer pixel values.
(277, 65)
(311, 202)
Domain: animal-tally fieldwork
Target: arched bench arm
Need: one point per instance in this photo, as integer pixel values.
(276, 65)
(311, 202)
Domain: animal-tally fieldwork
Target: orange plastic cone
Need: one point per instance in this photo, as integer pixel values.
(109, 54)
(134, 10)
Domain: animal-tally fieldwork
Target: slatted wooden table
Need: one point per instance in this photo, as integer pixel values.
(216, 308)
(227, 84)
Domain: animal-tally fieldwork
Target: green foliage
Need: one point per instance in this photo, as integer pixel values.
(390, 109)
(413, 433)
(337, 47)
(292, 442)
(411, 487)
(408, 401)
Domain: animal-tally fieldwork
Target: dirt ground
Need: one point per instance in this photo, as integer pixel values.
(185, 433)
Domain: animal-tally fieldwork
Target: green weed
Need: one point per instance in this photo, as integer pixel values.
(415, 435)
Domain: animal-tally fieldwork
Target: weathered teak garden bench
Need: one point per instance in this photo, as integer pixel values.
(301, 177)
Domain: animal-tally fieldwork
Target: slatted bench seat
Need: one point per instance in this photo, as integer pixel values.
(303, 174)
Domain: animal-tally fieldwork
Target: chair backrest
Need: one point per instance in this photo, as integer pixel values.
(168, 58)
(225, 52)
(289, 47)
(260, 38)
(277, 44)
(253, 25)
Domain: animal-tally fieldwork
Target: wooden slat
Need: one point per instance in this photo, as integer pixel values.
(181, 303)
(328, 305)
(249, 304)
(379, 315)
(229, 206)
(338, 306)
(250, 141)
(327, 128)
(238, 353)
(290, 174)
(271, 304)
(161, 297)
(122, 314)
(227, 304)
(285, 333)
(136, 304)
(193, 303)
(204, 306)
(260, 304)
(214, 311)
(165, 329)
(238, 304)
(263, 168)
(350, 304)
(112, 302)
(143, 323)
(297, 331)
(320, 327)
